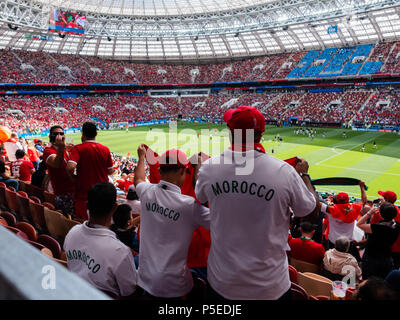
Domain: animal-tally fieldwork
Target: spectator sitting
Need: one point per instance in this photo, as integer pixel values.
(132, 200)
(93, 250)
(375, 289)
(10, 181)
(377, 260)
(337, 259)
(39, 175)
(304, 248)
(21, 168)
(124, 226)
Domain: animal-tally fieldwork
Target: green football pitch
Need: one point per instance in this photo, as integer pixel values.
(329, 156)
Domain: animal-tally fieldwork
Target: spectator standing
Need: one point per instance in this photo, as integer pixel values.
(21, 168)
(39, 147)
(342, 216)
(173, 217)
(55, 157)
(11, 146)
(33, 155)
(250, 212)
(377, 258)
(93, 164)
(304, 248)
(93, 250)
(390, 197)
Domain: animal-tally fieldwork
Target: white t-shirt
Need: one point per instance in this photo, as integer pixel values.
(167, 221)
(97, 256)
(11, 148)
(250, 222)
(135, 205)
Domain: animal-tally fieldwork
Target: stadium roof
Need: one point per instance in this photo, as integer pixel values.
(195, 30)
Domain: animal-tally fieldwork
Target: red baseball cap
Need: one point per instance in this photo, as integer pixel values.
(245, 117)
(342, 197)
(174, 157)
(389, 196)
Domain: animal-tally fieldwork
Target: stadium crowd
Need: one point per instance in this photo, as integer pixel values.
(18, 66)
(159, 213)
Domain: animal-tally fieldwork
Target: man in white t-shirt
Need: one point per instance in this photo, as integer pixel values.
(167, 222)
(249, 213)
(93, 250)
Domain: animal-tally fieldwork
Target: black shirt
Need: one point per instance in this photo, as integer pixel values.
(383, 235)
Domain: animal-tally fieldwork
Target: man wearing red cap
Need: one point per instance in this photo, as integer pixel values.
(167, 222)
(249, 212)
(390, 196)
(342, 216)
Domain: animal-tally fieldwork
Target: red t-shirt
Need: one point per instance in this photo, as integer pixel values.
(22, 168)
(93, 161)
(60, 180)
(347, 212)
(33, 154)
(121, 184)
(376, 218)
(306, 250)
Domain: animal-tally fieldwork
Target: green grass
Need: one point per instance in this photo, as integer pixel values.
(328, 157)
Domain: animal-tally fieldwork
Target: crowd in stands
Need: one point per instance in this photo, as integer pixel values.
(152, 220)
(41, 67)
(35, 114)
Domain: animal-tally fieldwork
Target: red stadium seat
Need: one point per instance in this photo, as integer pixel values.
(48, 205)
(50, 198)
(23, 206)
(3, 201)
(293, 274)
(35, 199)
(11, 198)
(37, 214)
(28, 229)
(50, 243)
(3, 222)
(18, 232)
(9, 217)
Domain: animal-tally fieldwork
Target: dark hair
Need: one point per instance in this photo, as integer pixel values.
(388, 211)
(20, 153)
(132, 195)
(42, 166)
(101, 199)
(53, 128)
(122, 215)
(170, 168)
(89, 130)
(307, 227)
(375, 289)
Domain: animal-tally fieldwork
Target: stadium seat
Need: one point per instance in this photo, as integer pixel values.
(11, 198)
(57, 225)
(298, 292)
(293, 274)
(3, 222)
(9, 217)
(28, 229)
(313, 286)
(18, 232)
(50, 198)
(302, 266)
(32, 190)
(22, 185)
(49, 205)
(37, 214)
(23, 206)
(50, 243)
(35, 199)
(42, 248)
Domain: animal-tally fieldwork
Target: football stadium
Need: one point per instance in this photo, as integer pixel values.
(199, 152)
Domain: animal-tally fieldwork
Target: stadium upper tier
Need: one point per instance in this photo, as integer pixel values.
(41, 67)
(363, 107)
(197, 30)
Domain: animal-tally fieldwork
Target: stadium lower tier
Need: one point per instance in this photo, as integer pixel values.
(361, 107)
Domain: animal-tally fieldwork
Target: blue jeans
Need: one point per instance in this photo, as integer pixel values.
(10, 183)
